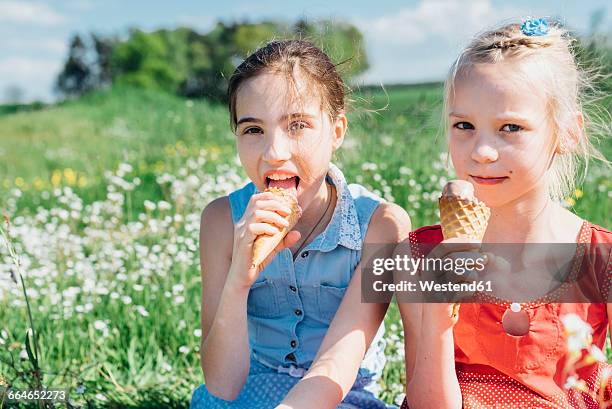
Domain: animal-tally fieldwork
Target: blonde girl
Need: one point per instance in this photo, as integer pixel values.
(516, 131)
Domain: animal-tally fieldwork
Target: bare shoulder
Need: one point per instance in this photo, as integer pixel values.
(389, 224)
(217, 213)
(216, 225)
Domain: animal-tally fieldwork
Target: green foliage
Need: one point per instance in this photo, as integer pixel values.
(185, 62)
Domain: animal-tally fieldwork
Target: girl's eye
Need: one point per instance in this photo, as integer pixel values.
(253, 130)
(463, 125)
(512, 128)
(297, 126)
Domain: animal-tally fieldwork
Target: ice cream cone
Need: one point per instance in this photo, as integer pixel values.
(462, 215)
(265, 244)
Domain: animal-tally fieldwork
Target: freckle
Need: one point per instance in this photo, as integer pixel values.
(511, 172)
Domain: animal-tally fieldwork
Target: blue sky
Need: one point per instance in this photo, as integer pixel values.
(406, 41)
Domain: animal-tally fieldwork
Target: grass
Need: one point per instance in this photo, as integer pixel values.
(104, 195)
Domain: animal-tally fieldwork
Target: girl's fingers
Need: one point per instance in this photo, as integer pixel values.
(453, 246)
(266, 216)
(257, 229)
(274, 205)
(291, 238)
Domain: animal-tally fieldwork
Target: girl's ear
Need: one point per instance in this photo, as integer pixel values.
(574, 135)
(340, 127)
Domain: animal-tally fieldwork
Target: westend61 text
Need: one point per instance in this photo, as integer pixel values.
(433, 286)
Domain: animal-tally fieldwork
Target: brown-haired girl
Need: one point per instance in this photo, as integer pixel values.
(516, 129)
(268, 330)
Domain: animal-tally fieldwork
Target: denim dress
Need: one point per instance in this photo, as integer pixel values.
(292, 303)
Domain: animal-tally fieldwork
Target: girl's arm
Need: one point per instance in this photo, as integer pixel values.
(227, 275)
(433, 382)
(355, 324)
(224, 349)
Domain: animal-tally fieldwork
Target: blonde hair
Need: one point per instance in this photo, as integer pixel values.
(566, 85)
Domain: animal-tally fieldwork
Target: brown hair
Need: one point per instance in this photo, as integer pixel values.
(564, 82)
(287, 56)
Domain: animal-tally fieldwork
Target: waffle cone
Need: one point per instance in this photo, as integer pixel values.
(265, 244)
(455, 309)
(463, 217)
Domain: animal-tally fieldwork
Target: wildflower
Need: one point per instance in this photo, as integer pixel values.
(101, 397)
(197, 333)
(70, 176)
(577, 332)
(83, 181)
(184, 349)
(369, 166)
(149, 205)
(574, 326)
(124, 168)
(142, 311)
(570, 382)
(19, 182)
(573, 382)
(163, 205)
(570, 201)
(578, 193)
(56, 178)
(606, 373)
(38, 183)
(80, 389)
(595, 355)
(100, 325)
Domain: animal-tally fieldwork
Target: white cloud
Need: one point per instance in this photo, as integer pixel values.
(35, 76)
(450, 20)
(28, 12)
(419, 43)
(52, 46)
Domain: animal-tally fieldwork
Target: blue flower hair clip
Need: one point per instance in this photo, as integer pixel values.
(535, 27)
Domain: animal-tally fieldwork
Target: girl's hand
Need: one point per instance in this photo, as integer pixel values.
(439, 315)
(265, 214)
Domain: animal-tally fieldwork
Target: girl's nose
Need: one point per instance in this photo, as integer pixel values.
(277, 149)
(484, 151)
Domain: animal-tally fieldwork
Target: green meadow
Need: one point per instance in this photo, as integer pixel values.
(104, 195)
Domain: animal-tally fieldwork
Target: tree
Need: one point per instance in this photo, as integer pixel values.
(188, 63)
(75, 77)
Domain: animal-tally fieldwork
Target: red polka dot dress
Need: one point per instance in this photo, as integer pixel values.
(499, 370)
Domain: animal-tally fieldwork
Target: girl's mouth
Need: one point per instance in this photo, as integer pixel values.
(283, 181)
(488, 180)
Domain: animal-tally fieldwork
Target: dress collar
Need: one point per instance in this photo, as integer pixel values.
(343, 228)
